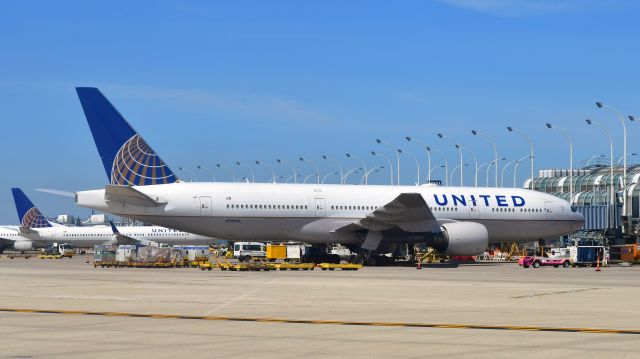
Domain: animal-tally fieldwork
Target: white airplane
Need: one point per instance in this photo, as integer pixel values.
(37, 230)
(454, 220)
(10, 238)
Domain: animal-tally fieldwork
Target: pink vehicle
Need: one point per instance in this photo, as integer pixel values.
(536, 262)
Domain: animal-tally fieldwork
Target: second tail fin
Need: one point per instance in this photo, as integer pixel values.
(126, 157)
(28, 214)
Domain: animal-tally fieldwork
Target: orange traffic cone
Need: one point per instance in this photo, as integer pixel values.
(598, 265)
(419, 263)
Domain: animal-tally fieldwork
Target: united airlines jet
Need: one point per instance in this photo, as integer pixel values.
(453, 220)
(36, 229)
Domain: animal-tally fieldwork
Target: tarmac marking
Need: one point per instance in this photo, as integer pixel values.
(331, 322)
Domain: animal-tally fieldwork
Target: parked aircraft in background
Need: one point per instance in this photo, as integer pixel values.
(36, 229)
(453, 220)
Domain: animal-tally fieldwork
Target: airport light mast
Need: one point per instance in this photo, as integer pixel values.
(233, 176)
(253, 175)
(374, 153)
(273, 171)
(624, 154)
(564, 133)
(193, 176)
(325, 157)
(295, 173)
(511, 129)
(446, 138)
(417, 162)
(302, 159)
(395, 150)
(364, 166)
(611, 182)
(427, 151)
(203, 167)
(495, 151)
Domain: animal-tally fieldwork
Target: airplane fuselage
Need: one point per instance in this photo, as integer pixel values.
(312, 212)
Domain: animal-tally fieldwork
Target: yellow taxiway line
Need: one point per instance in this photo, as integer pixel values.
(332, 322)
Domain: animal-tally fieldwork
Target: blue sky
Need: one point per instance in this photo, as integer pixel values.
(207, 82)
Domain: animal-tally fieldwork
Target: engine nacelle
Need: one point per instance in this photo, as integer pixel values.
(23, 245)
(463, 239)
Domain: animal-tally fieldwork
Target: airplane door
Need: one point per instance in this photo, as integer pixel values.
(548, 212)
(205, 206)
(320, 207)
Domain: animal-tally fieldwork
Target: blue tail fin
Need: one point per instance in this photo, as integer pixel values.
(28, 214)
(126, 157)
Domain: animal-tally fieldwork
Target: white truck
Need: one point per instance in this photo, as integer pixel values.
(246, 251)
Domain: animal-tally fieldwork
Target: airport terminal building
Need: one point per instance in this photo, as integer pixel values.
(616, 213)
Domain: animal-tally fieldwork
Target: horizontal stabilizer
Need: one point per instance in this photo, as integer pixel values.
(129, 195)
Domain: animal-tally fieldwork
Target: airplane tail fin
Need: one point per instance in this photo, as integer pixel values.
(28, 214)
(126, 157)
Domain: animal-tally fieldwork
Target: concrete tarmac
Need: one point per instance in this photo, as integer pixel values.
(501, 295)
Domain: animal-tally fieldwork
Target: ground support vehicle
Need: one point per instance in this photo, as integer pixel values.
(342, 266)
(536, 262)
(246, 251)
(582, 256)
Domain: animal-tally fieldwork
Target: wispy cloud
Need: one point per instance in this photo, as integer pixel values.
(512, 8)
(259, 105)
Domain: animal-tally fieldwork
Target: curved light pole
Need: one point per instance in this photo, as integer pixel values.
(454, 171)
(440, 166)
(325, 157)
(203, 167)
(273, 171)
(295, 173)
(624, 154)
(593, 158)
(611, 182)
(253, 175)
(446, 138)
(294, 178)
(564, 133)
(302, 159)
(233, 176)
(489, 167)
(515, 169)
(193, 176)
(628, 155)
(374, 153)
(446, 165)
(475, 159)
(395, 150)
(417, 162)
(495, 151)
(353, 170)
(504, 169)
(482, 165)
(330, 174)
(373, 170)
(309, 176)
(364, 165)
(511, 129)
(426, 150)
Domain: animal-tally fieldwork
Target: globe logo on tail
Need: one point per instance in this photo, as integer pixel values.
(34, 219)
(136, 164)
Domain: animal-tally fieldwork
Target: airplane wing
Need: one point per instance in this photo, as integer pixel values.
(130, 195)
(122, 239)
(408, 212)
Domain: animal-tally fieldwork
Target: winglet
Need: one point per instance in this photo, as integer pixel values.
(126, 157)
(28, 215)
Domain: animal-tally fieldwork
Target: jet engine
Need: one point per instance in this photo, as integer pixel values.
(462, 239)
(23, 245)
